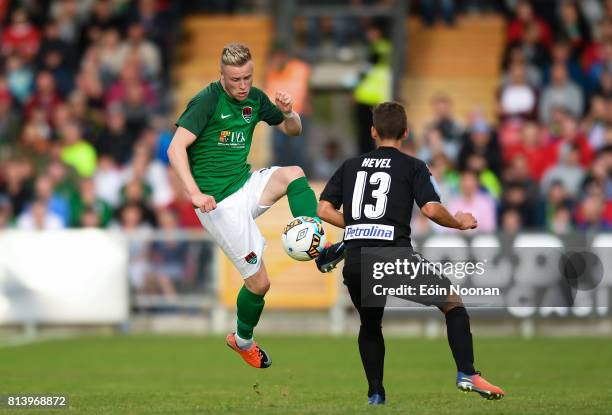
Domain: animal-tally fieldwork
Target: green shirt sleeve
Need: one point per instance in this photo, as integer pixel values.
(268, 111)
(199, 110)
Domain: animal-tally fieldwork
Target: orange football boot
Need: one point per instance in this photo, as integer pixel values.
(254, 356)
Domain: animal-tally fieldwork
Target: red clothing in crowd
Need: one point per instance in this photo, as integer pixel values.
(24, 38)
(516, 28)
(586, 152)
(539, 159)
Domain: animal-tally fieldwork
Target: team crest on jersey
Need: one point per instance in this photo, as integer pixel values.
(251, 258)
(247, 113)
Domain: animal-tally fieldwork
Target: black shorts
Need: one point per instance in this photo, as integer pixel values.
(361, 284)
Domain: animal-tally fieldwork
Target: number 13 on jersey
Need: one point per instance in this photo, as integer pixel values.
(370, 211)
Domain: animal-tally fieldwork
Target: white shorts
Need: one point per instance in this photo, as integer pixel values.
(232, 224)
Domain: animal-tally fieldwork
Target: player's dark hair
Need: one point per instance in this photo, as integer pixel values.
(389, 120)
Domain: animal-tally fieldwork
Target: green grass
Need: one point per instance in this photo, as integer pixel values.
(311, 375)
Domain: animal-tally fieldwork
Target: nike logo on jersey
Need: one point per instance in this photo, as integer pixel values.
(224, 116)
(382, 163)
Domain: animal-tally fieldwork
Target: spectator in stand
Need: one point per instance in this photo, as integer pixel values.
(601, 173)
(102, 19)
(56, 204)
(38, 217)
(568, 172)
(46, 96)
(480, 140)
(21, 36)
(594, 212)
(138, 192)
(594, 51)
(54, 61)
(562, 55)
(517, 176)
(511, 222)
(77, 152)
(52, 41)
(557, 208)
(572, 25)
(533, 148)
(515, 55)
(292, 75)
(69, 19)
(446, 124)
(604, 85)
(446, 176)
(147, 52)
(111, 61)
(16, 183)
(19, 78)
(108, 180)
(471, 199)
(602, 65)
(562, 92)
(517, 99)
(534, 50)
(116, 140)
(594, 124)
(152, 172)
(486, 178)
(88, 118)
(570, 136)
(525, 16)
(88, 201)
(89, 219)
(9, 121)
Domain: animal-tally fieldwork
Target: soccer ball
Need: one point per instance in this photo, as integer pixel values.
(303, 238)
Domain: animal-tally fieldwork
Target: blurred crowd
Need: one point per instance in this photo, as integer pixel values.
(84, 115)
(547, 162)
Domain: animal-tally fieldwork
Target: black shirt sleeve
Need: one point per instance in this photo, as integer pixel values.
(333, 189)
(425, 187)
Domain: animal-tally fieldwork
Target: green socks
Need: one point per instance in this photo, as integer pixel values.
(302, 199)
(250, 306)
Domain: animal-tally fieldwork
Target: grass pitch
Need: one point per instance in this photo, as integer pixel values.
(309, 375)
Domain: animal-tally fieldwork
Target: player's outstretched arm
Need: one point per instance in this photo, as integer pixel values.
(293, 123)
(327, 212)
(439, 214)
(177, 154)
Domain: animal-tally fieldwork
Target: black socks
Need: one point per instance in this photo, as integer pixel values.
(460, 339)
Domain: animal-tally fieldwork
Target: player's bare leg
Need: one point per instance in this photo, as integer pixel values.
(278, 183)
(250, 304)
(460, 342)
(292, 182)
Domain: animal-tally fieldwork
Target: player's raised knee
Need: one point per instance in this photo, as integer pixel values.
(257, 285)
(293, 172)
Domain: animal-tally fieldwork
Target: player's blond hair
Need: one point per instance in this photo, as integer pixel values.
(235, 54)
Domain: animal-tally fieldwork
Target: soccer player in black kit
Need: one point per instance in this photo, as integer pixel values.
(377, 191)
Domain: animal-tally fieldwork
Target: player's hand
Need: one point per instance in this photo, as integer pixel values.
(284, 102)
(466, 220)
(205, 203)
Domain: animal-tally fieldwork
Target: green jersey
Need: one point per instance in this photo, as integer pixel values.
(223, 127)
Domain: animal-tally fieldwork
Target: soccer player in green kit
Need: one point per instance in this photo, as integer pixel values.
(209, 154)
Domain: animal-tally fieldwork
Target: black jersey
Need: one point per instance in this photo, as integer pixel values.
(377, 191)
